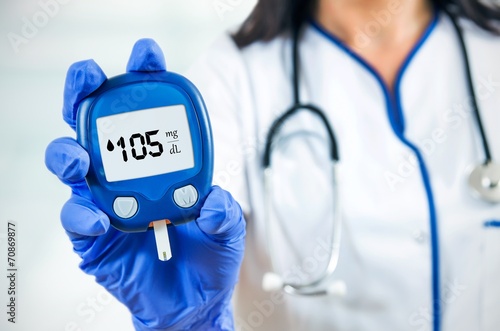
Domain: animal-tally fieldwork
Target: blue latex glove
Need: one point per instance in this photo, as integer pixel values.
(192, 291)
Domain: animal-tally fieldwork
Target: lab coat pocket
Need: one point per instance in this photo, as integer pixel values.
(491, 276)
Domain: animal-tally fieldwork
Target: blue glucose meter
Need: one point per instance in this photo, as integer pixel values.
(149, 140)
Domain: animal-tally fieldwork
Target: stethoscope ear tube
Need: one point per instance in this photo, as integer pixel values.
(295, 108)
(470, 86)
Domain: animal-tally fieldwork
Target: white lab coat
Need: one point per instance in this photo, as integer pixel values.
(386, 251)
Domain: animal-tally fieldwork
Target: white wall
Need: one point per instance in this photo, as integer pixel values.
(52, 292)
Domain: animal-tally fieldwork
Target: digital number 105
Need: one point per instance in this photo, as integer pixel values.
(138, 143)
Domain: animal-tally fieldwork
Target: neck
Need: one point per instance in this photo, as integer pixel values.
(380, 31)
(365, 23)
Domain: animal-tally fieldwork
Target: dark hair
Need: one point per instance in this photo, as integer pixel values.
(271, 18)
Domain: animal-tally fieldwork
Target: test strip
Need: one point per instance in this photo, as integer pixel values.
(162, 241)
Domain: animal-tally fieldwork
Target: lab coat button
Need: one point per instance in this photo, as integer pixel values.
(186, 196)
(125, 207)
(419, 236)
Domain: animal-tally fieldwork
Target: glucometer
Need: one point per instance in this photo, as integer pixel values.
(149, 140)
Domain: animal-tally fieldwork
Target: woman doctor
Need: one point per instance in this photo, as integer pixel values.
(418, 250)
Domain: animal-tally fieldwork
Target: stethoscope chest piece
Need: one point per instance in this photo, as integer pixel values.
(484, 181)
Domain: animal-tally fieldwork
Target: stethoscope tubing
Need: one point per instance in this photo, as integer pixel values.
(470, 86)
(310, 288)
(313, 288)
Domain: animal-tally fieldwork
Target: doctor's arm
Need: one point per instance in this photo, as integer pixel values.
(193, 290)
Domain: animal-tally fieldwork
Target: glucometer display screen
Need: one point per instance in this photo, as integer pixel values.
(145, 143)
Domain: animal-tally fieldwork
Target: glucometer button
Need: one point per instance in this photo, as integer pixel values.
(186, 196)
(125, 207)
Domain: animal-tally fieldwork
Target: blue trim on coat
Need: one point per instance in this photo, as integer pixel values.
(492, 224)
(396, 118)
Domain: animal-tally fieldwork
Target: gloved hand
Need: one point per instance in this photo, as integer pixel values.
(192, 291)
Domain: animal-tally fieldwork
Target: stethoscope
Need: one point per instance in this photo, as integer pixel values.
(484, 180)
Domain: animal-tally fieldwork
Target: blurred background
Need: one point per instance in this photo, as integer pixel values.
(39, 40)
